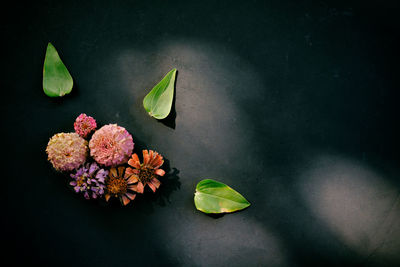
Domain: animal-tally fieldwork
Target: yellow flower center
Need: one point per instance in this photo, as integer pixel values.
(146, 174)
(117, 186)
(80, 180)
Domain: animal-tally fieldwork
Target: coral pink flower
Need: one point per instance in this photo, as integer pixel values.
(120, 184)
(84, 125)
(146, 173)
(67, 151)
(111, 145)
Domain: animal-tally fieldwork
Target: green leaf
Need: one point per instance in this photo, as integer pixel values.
(56, 79)
(215, 197)
(158, 102)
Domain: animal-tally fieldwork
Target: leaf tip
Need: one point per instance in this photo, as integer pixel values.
(50, 45)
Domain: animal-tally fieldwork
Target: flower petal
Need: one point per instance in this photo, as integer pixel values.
(156, 182)
(125, 200)
(140, 188)
(93, 167)
(113, 172)
(132, 171)
(107, 196)
(134, 161)
(132, 179)
(128, 171)
(154, 158)
(152, 186)
(121, 171)
(159, 172)
(146, 157)
(158, 161)
(134, 164)
(101, 174)
(133, 187)
(130, 196)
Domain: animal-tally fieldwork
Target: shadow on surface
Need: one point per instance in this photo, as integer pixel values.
(169, 183)
(145, 202)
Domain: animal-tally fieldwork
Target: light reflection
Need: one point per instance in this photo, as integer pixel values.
(207, 115)
(230, 240)
(358, 205)
(208, 121)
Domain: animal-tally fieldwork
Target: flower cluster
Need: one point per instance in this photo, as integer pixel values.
(104, 166)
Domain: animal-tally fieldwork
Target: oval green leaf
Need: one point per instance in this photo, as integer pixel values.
(215, 197)
(158, 102)
(56, 79)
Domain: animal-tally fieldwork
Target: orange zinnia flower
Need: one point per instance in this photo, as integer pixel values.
(147, 172)
(119, 183)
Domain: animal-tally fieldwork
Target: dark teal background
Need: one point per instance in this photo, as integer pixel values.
(292, 103)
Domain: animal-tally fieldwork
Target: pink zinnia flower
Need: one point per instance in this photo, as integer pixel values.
(147, 172)
(84, 125)
(111, 145)
(67, 151)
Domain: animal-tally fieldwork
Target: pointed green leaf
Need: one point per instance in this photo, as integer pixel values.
(215, 197)
(158, 102)
(56, 79)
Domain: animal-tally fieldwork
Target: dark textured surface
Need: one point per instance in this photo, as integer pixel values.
(295, 105)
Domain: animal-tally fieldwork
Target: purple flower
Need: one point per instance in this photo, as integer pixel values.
(89, 180)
